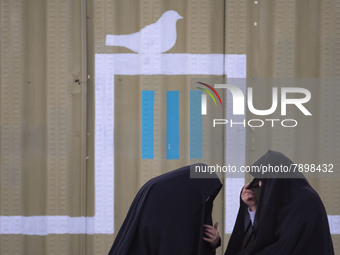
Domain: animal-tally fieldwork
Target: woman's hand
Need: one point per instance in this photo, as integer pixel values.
(248, 197)
(211, 235)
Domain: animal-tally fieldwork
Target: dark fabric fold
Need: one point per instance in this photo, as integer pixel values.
(290, 217)
(167, 216)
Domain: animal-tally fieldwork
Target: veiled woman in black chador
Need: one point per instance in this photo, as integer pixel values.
(168, 216)
(290, 217)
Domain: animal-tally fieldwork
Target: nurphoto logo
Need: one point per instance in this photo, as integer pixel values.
(204, 96)
(280, 99)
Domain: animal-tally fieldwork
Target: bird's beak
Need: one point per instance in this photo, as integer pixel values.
(180, 17)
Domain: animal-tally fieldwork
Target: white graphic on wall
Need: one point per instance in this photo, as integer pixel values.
(155, 38)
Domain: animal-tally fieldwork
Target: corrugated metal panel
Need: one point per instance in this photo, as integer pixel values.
(42, 126)
(43, 110)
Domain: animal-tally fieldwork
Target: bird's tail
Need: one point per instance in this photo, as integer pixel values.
(117, 40)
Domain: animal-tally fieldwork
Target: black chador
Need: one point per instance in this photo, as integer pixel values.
(290, 217)
(167, 216)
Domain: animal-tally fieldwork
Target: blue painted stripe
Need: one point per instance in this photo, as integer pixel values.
(172, 125)
(196, 133)
(148, 97)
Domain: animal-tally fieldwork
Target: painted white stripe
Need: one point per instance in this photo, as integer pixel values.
(104, 149)
(232, 201)
(235, 143)
(334, 224)
(175, 64)
(43, 225)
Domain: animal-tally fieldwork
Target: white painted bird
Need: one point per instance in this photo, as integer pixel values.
(154, 38)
